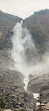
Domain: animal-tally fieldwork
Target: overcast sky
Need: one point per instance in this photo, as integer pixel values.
(23, 8)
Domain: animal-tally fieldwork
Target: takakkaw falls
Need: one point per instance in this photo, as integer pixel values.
(24, 54)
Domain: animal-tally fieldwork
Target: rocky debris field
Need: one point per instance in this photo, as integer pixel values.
(12, 93)
(39, 82)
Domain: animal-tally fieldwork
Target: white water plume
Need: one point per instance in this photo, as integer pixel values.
(24, 51)
(24, 54)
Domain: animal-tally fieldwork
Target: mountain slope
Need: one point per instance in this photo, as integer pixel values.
(38, 25)
(7, 23)
(12, 93)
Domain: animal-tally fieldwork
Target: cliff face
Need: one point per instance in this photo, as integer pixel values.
(38, 25)
(12, 93)
(7, 22)
(39, 83)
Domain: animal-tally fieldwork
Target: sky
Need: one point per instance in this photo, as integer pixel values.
(23, 8)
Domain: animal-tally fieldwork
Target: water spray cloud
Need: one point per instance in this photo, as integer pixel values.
(25, 55)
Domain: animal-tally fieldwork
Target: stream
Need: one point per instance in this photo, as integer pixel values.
(26, 80)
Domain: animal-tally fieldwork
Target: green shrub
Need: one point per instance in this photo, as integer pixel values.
(2, 103)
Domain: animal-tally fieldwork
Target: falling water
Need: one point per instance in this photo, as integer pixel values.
(23, 50)
(24, 53)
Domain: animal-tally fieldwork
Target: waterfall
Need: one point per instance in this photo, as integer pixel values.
(24, 53)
